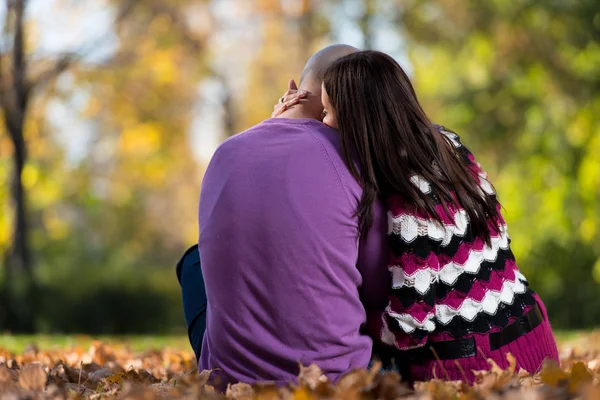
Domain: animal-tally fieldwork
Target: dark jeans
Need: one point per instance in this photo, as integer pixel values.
(193, 293)
(189, 274)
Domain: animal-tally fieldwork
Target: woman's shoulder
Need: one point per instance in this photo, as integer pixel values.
(456, 141)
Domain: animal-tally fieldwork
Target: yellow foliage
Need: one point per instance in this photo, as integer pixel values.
(155, 173)
(140, 140)
(5, 226)
(29, 176)
(580, 129)
(269, 6)
(162, 64)
(587, 229)
(93, 108)
(160, 25)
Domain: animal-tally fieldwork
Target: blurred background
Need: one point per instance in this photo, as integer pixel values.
(111, 111)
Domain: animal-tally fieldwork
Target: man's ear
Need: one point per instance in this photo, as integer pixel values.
(292, 85)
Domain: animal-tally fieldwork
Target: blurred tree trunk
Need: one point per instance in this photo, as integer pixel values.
(19, 291)
(14, 101)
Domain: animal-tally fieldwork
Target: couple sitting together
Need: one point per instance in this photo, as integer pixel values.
(348, 228)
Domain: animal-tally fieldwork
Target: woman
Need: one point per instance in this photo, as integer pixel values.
(457, 297)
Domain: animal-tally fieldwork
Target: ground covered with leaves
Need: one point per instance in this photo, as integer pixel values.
(105, 371)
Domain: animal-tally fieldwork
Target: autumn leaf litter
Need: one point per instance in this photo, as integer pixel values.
(106, 372)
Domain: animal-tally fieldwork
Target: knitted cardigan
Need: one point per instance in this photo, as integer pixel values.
(447, 284)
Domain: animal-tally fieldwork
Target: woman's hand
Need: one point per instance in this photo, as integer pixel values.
(289, 99)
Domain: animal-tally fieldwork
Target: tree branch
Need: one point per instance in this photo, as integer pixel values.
(66, 60)
(59, 66)
(189, 38)
(20, 90)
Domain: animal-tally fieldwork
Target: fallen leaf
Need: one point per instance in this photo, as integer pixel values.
(33, 377)
(552, 375)
(311, 376)
(302, 394)
(512, 363)
(116, 378)
(594, 365)
(100, 374)
(7, 375)
(239, 391)
(495, 367)
(353, 380)
(579, 375)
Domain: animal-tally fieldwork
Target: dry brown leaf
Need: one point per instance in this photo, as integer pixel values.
(266, 391)
(239, 391)
(437, 389)
(33, 377)
(594, 365)
(168, 374)
(77, 390)
(116, 378)
(161, 389)
(311, 376)
(388, 385)
(96, 376)
(203, 376)
(591, 393)
(11, 390)
(512, 363)
(354, 380)
(7, 375)
(495, 367)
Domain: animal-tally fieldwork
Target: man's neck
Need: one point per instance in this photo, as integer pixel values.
(310, 107)
(299, 111)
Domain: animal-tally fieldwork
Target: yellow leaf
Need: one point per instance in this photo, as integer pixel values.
(302, 394)
(578, 376)
(141, 140)
(552, 375)
(116, 378)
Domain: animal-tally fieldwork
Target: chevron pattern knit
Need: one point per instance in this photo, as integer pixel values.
(447, 284)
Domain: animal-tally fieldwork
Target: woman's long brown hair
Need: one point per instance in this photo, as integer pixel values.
(384, 128)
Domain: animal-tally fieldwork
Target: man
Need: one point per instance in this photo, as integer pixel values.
(288, 275)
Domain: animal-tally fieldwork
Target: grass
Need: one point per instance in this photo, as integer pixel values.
(19, 343)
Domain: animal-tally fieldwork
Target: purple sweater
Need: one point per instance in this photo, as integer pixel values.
(288, 277)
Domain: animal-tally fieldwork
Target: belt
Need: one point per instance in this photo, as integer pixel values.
(523, 325)
(462, 348)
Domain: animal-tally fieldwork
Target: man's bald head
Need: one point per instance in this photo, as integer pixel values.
(311, 80)
(315, 67)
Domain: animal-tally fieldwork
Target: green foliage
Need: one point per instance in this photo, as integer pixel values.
(520, 81)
